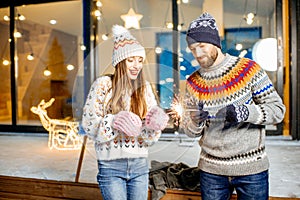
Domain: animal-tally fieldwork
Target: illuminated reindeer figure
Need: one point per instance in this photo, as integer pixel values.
(63, 135)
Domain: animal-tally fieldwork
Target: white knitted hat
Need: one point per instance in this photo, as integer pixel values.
(125, 45)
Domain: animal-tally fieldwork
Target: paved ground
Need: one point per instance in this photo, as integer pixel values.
(27, 155)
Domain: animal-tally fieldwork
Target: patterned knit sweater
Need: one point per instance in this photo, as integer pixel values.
(112, 144)
(240, 149)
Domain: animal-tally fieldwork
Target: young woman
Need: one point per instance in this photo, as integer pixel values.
(122, 117)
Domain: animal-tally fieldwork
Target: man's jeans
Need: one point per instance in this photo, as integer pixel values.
(123, 179)
(216, 187)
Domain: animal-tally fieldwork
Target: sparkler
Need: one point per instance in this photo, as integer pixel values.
(176, 111)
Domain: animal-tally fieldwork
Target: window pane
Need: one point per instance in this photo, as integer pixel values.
(5, 97)
(47, 64)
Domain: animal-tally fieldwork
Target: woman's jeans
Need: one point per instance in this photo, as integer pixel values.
(123, 179)
(217, 187)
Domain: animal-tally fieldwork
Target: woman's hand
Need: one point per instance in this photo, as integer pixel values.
(156, 119)
(128, 123)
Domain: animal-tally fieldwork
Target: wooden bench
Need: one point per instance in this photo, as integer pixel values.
(38, 189)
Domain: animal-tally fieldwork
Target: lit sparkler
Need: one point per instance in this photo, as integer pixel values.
(176, 111)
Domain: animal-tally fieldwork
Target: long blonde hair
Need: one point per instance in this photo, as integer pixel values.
(122, 83)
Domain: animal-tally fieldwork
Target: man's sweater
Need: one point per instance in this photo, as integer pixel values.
(239, 149)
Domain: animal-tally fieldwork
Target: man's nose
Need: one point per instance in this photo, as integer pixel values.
(199, 52)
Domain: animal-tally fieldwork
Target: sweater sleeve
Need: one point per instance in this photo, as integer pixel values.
(150, 136)
(95, 123)
(268, 107)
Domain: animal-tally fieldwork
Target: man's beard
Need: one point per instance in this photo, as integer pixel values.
(210, 60)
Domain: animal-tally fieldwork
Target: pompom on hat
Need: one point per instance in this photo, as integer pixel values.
(203, 29)
(125, 45)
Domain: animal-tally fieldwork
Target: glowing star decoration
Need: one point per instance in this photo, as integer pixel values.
(63, 134)
(132, 19)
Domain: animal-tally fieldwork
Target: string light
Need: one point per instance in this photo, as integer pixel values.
(70, 67)
(98, 14)
(17, 34)
(30, 56)
(250, 16)
(238, 46)
(47, 72)
(170, 24)
(52, 21)
(6, 18)
(5, 62)
(99, 4)
(20, 17)
(105, 36)
(82, 47)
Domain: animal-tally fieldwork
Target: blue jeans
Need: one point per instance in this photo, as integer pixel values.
(123, 179)
(217, 187)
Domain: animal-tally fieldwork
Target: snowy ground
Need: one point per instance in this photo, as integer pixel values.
(27, 155)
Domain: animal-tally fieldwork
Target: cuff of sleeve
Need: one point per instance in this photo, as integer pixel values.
(196, 130)
(256, 115)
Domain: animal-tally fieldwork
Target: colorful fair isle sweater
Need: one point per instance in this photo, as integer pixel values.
(240, 149)
(112, 144)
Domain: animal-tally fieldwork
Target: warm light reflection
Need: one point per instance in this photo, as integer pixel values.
(30, 56)
(63, 134)
(104, 36)
(70, 67)
(17, 34)
(52, 21)
(5, 62)
(47, 72)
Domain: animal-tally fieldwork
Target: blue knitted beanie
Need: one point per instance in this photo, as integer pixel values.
(203, 29)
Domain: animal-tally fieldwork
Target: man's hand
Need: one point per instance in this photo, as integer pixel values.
(197, 114)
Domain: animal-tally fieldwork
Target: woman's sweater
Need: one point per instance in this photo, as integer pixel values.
(240, 149)
(97, 123)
